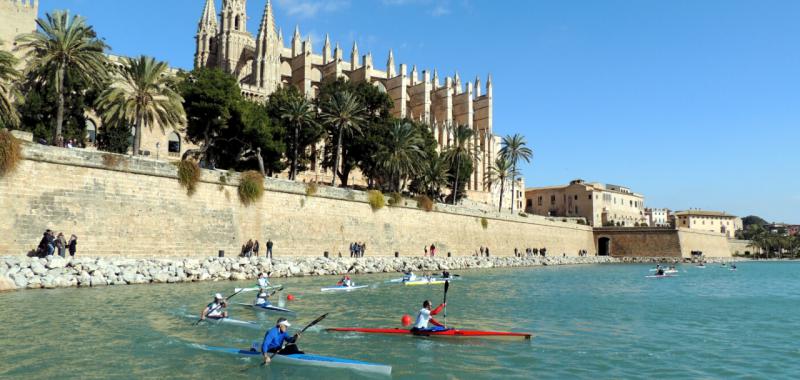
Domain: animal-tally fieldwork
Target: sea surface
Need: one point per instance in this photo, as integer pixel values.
(590, 322)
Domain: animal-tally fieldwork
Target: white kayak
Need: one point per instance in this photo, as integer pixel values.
(342, 288)
(266, 307)
(425, 281)
(662, 276)
(256, 288)
(308, 360)
(229, 321)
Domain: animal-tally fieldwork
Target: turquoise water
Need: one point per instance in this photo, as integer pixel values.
(601, 321)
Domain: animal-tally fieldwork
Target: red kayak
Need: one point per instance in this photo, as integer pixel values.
(446, 333)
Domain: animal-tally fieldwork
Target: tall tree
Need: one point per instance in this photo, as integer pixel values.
(499, 173)
(343, 113)
(514, 148)
(433, 176)
(402, 156)
(459, 155)
(9, 93)
(298, 113)
(62, 47)
(142, 93)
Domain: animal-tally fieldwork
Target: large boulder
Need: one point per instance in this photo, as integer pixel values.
(38, 269)
(7, 284)
(54, 262)
(160, 277)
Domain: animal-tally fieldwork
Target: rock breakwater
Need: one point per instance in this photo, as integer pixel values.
(56, 272)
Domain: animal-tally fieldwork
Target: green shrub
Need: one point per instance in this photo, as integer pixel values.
(251, 187)
(376, 200)
(311, 189)
(424, 203)
(484, 222)
(523, 214)
(189, 175)
(395, 199)
(223, 180)
(10, 153)
(581, 222)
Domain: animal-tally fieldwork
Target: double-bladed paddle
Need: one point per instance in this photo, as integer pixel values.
(218, 306)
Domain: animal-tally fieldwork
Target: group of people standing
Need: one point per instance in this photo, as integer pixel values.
(529, 252)
(251, 248)
(430, 251)
(357, 249)
(482, 252)
(51, 243)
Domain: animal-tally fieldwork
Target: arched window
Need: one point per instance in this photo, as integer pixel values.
(174, 144)
(236, 23)
(91, 132)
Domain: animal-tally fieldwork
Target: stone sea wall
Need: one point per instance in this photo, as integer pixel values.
(135, 207)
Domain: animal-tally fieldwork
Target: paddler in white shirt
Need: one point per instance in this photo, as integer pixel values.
(261, 299)
(425, 316)
(215, 310)
(263, 281)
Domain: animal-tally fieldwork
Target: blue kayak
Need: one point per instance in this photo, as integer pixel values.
(307, 359)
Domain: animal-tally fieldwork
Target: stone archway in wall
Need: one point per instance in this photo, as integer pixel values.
(604, 246)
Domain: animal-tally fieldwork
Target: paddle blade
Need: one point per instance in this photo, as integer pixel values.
(314, 322)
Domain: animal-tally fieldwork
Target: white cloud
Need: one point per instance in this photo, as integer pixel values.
(310, 8)
(440, 10)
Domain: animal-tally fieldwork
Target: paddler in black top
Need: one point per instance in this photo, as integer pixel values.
(215, 309)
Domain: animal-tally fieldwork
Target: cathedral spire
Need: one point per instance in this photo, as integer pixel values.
(489, 85)
(267, 26)
(208, 21)
(477, 86)
(390, 71)
(354, 57)
(326, 50)
(297, 42)
(435, 79)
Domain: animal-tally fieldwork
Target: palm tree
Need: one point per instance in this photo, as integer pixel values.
(299, 113)
(344, 113)
(459, 152)
(8, 91)
(500, 172)
(403, 154)
(64, 47)
(514, 149)
(142, 94)
(433, 175)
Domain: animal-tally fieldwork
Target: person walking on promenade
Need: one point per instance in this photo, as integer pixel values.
(433, 250)
(42, 249)
(363, 249)
(426, 251)
(72, 245)
(352, 249)
(481, 250)
(61, 244)
(487, 251)
(255, 248)
(269, 248)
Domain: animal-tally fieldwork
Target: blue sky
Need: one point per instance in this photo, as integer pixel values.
(692, 103)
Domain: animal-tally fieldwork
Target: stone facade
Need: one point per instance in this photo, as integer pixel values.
(712, 221)
(599, 204)
(16, 17)
(263, 64)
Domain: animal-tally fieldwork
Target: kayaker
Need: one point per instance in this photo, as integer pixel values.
(263, 280)
(409, 276)
(660, 271)
(276, 337)
(262, 299)
(216, 309)
(733, 266)
(346, 281)
(425, 316)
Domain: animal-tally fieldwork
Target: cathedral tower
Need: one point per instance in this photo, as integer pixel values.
(233, 36)
(206, 49)
(267, 62)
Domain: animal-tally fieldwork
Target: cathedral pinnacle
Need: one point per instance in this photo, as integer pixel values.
(390, 71)
(208, 21)
(267, 26)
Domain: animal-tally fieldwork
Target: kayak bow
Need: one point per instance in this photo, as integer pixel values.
(447, 333)
(307, 359)
(266, 308)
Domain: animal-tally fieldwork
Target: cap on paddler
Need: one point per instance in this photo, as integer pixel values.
(218, 296)
(283, 321)
(262, 295)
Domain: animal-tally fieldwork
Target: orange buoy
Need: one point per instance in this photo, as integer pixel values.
(406, 320)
